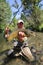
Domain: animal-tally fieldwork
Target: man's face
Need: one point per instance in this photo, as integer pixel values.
(20, 25)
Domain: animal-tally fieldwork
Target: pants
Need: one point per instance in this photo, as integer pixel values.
(27, 54)
(25, 51)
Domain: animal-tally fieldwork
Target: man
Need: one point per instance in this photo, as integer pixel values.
(21, 42)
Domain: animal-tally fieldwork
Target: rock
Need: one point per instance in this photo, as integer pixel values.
(33, 34)
(41, 58)
(38, 52)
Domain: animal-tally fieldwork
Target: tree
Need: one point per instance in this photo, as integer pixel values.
(5, 13)
(32, 10)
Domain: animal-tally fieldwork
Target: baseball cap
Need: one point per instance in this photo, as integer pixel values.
(20, 21)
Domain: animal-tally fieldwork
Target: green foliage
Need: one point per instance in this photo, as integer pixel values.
(41, 27)
(27, 3)
(26, 24)
(13, 24)
(14, 21)
(5, 13)
(35, 16)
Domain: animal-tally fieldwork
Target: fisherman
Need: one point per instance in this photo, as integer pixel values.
(21, 43)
